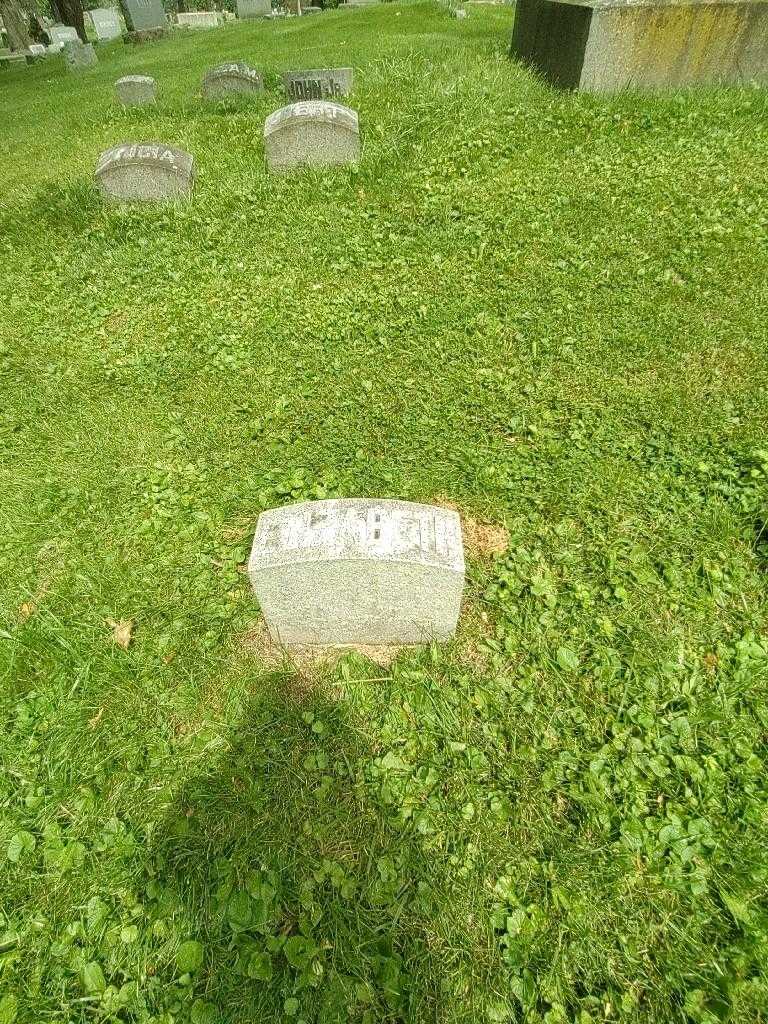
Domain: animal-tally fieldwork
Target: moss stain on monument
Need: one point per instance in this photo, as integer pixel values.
(645, 45)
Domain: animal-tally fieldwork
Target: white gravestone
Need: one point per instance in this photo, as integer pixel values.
(150, 171)
(136, 90)
(318, 83)
(358, 571)
(254, 8)
(229, 78)
(314, 133)
(106, 23)
(199, 19)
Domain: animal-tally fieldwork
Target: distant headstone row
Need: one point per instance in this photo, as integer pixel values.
(238, 77)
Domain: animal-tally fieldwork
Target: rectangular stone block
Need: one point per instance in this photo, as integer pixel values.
(318, 83)
(199, 19)
(61, 34)
(144, 15)
(358, 571)
(106, 23)
(254, 8)
(607, 45)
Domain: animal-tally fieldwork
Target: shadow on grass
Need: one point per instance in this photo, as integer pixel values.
(53, 209)
(308, 902)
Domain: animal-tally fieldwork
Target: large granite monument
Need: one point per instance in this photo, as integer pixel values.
(145, 171)
(358, 571)
(314, 133)
(607, 45)
(318, 83)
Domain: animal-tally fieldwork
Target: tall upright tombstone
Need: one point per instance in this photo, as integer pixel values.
(318, 83)
(315, 133)
(358, 571)
(106, 23)
(608, 45)
(145, 15)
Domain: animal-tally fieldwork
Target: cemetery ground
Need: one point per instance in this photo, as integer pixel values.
(546, 309)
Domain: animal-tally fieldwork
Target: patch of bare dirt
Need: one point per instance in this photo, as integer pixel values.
(481, 539)
(258, 643)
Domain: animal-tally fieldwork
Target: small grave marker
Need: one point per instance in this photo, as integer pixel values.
(358, 571)
(145, 171)
(199, 19)
(79, 56)
(318, 83)
(136, 90)
(229, 78)
(314, 133)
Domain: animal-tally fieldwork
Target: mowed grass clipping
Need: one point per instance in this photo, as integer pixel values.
(548, 310)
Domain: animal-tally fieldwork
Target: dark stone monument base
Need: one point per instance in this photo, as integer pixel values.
(145, 35)
(607, 45)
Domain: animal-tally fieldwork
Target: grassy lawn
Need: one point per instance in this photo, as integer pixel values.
(547, 309)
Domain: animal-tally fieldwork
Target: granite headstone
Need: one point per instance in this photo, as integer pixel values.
(314, 133)
(79, 56)
(106, 23)
(144, 15)
(231, 78)
(318, 83)
(145, 171)
(136, 90)
(358, 571)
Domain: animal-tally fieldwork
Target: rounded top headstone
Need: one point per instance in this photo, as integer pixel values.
(312, 133)
(235, 77)
(145, 171)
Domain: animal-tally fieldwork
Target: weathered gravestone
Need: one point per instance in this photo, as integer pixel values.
(607, 45)
(62, 34)
(199, 19)
(145, 15)
(229, 78)
(37, 50)
(106, 23)
(145, 171)
(314, 133)
(254, 8)
(358, 571)
(79, 56)
(136, 90)
(318, 83)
